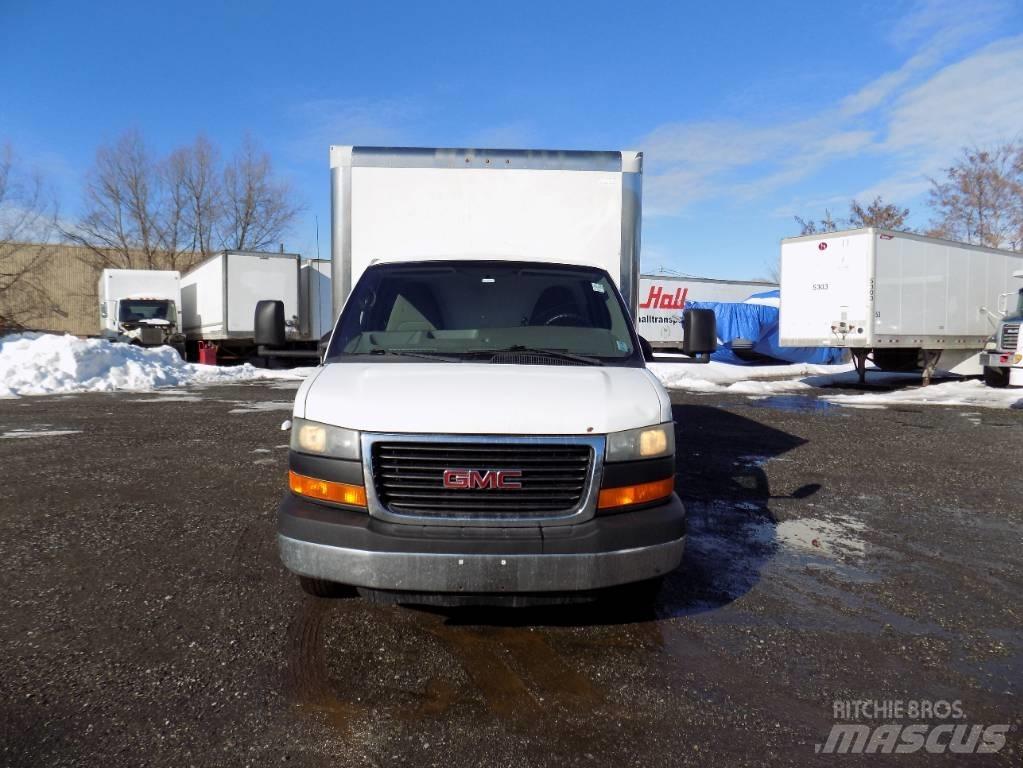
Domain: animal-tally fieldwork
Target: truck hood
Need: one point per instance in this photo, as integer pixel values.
(475, 398)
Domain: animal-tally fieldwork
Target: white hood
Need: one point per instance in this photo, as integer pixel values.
(474, 398)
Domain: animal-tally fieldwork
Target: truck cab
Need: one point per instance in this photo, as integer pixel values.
(481, 428)
(1002, 358)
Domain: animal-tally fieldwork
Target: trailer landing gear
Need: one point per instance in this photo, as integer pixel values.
(929, 359)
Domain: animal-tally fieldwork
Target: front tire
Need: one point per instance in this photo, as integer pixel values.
(996, 377)
(322, 587)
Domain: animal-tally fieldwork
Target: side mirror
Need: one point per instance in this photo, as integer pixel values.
(321, 347)
(701, 332)
(269, 324)
(646, 349)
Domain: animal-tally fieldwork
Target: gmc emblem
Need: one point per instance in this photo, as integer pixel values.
(488, 479)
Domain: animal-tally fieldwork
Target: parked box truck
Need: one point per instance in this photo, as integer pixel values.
(219, 297)
(483, 426)
(905, 300)
(141, 306)
(662, 299)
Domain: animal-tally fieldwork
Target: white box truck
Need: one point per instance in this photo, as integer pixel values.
(905, 300)
(483, 427)
(219, 298)
(141, 306)
(316, 313)
(662, 299)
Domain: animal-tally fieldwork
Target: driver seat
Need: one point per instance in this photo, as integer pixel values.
(553, 301)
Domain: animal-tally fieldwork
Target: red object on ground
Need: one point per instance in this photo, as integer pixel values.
(207, 353)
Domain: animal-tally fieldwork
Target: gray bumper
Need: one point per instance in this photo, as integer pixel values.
(998, 360)
(351, 548)
(431, 572)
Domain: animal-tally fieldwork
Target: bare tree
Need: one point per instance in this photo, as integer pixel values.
(878, 214)
(981, 198)
(123, 223)
(27, 218)
(256, 208)
(192, 172)
(811, 227)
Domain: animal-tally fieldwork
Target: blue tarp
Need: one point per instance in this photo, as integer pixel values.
(759, 323)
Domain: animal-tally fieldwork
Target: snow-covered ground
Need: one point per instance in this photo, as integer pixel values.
(46, 364)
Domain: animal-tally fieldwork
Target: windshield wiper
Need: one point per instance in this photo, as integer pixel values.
(409, 353)
(558, 353)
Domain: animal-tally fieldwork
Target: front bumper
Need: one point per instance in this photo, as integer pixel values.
(350, 547)
(1000, 359)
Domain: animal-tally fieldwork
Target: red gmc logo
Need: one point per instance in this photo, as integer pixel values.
(661, 299)
(467, 479)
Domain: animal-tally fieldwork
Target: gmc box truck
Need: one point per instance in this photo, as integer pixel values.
(483, 427)
(905, 300)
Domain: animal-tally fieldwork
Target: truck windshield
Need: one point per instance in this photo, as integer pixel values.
(486, 311)
(137, 310)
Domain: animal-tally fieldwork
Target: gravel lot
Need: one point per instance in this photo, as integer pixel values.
(836, 553)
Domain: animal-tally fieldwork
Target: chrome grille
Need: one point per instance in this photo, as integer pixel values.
(1010, 337)
(408, 478)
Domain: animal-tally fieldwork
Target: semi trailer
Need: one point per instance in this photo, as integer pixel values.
(905, 301)
(483, 427)
(141, 307)
(662, 299)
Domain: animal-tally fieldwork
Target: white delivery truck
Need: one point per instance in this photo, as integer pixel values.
(141, 306)
(662, 298)
(1002, 358)
(220, 294)
(483, 426)
(905, 300)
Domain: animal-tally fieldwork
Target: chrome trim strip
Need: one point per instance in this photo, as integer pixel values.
(432, 572)
(585, 510)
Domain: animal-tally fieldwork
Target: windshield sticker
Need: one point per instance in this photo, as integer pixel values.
(597, 287)
(622, 346)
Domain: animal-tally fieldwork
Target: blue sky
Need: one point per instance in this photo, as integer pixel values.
(747, 113)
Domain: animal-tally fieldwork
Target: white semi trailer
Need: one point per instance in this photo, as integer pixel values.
(141, 306)
(662, 299)
(904, 300)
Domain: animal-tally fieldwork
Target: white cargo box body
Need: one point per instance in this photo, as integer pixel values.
(662, 298)
(219, 296)
(117, 284)
(871, 288)
(315, 298)
(561, 207)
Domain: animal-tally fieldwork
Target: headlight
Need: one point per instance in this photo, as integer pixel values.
(642, 443)
(325, 440)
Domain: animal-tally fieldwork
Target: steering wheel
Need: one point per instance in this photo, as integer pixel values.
(555, 319)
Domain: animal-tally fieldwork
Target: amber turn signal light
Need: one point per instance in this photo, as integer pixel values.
(324, 490)
(628, 495)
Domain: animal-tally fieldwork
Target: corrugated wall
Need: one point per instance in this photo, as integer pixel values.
(61, 293)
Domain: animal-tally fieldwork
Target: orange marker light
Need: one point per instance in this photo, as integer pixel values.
(339, 493)
(636, 494)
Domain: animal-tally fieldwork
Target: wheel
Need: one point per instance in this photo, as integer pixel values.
(996, 377)
(322, 588)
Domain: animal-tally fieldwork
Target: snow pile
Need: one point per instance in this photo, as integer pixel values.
(973, 393)
(747, 380)
(46, 364)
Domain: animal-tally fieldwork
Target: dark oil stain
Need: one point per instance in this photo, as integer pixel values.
(546, 669)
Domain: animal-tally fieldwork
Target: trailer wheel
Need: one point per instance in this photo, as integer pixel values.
(323, 588)
(996, 377)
